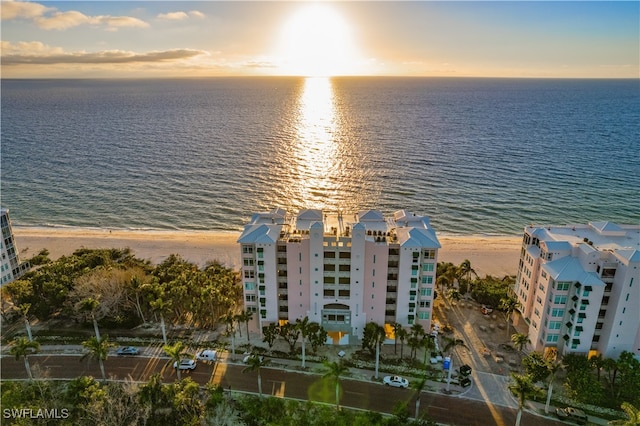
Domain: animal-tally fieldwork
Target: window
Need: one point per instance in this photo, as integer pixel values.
(260, 252)
(557, 312)
(552, 338)
(247, 249)
(427, 280)
(427, 267)
(555, 325)
(423, 315)
(329, 293)
(345, 255)
(425, 304)
(249, 274)
(247, 262)
(560, 300)
(250, 298)
(329, 255)
(249, 286)
(563, 285)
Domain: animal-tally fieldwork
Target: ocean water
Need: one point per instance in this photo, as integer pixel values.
(475, 155)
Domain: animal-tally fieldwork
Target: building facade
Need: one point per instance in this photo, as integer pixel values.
(10, 266)
(579, 287)
(340, 271)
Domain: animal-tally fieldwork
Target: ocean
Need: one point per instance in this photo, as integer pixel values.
(478, 156)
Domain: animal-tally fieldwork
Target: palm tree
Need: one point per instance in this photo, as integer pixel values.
(305, 330)
(334, 371)
(396, 328)
(161, 306)
(452, 343)
(415, 339)
(255, 363)
(428, 344)
(91, 305)
(633, 414)
(509, 305)
(402, 334)
(520, 340)
(230, 322)
(23, 347)
(98, 350)
(176, 352)
(245, 317)
(23, 309)
(522, 387)
(466, 270)
(553, 367)
(377, 337)
(418, 387)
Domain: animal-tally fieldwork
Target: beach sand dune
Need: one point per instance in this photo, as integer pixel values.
(489, 255)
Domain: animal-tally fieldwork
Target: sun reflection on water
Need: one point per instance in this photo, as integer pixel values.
(316, 145)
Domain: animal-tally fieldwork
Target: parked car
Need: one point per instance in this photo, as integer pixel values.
(249, 356)
(185, 364)
(207, 355)
(572, 414)
(128, 350)
(465, 382)
(465, 370)
(486, 310)
(395, 381)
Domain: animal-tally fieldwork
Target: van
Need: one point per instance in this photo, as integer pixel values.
(207, 355)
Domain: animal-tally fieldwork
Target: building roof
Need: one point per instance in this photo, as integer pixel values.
(417, 237)
(260, 233)
(569, 269)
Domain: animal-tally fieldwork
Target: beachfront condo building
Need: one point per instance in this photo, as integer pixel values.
(10, 266)
(579, 287)
(341, 271)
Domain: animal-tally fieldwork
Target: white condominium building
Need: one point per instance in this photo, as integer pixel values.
(10, 266)
(342, 271)
(579, 286)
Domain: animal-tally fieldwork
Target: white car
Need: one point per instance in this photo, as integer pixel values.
(207, 355)
(185, 364)
(395, 381)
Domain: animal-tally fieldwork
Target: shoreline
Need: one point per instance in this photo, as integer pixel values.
(495, 255)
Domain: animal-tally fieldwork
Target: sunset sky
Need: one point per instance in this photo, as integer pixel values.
(207, 38)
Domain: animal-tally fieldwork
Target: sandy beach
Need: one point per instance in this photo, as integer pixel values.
(489, 255)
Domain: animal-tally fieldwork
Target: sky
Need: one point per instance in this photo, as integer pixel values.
(149, 39)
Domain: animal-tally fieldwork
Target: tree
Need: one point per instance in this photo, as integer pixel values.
(290, 333)
(520, 340)
(255, 363)
(245, 317)
(402, 334)
(176, 353)
(415, 338)
(230, 322)
(23, 309)
(90, 305)
(509, 305)
(161, 307)
(553, 367)
(99, 350)
(334, 371)
(633, 416)
(304, 328)
(451, 343)
(270, 334)
(465, 270)
(318, 336)
(522, 387)
(23, 347)
(396, 327)
(428, 344)
(418, 387)
(373, 336)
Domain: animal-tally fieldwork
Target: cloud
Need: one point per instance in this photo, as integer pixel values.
(180, 16)
(49, 18)
(36, 53)
(173, 16)
(19, 9)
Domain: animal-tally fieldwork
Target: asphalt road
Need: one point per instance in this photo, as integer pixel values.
(358, 394)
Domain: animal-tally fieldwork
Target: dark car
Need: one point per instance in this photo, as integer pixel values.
(128, 350)
(465, 370)
(465, 382)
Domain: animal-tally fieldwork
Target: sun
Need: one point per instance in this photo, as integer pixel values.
(317, 42)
